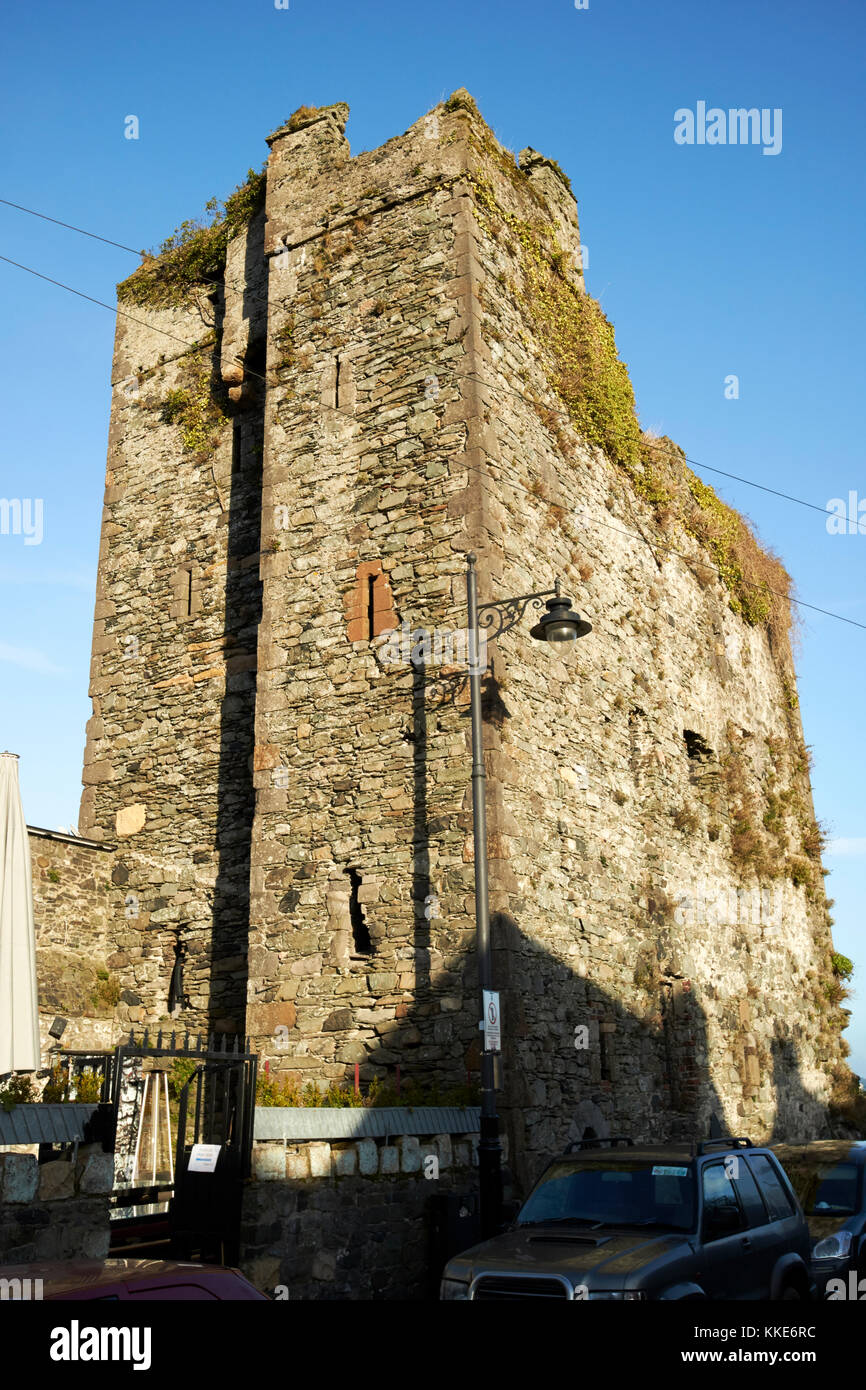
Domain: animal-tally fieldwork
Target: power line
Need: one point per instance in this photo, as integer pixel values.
(691, 559)
(70, 226)
(470, 467)
(648, 444)
(707, 467)
(112, 309)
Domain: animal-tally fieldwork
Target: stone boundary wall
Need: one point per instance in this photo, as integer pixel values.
(76, 907)
(56, 1210)
(351, 1219)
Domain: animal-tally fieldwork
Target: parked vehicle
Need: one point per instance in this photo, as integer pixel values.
(126, 1280)
(717, 1219)
(829, 1177)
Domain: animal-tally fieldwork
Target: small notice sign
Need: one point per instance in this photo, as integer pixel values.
(492, 1027)
(203, 1158)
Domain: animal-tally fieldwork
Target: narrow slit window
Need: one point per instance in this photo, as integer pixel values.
(371, 606)
(176, 997)
(237, 441)
(604, 1044)
(188, 592)
(337, 383)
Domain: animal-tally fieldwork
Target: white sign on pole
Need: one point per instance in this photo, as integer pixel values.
(492, 1030)
(203, 1158)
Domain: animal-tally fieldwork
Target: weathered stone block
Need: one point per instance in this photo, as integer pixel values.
(98, 1174)
(20, 1178)
(345, 1161)
(298, 1165)
(56, 1179)
(368, 1157)
(410, 1153)
(320, 1160)
(269, 1162)
(389, 1159)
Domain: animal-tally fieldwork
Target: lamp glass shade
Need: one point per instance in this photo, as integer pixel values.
(560, 623)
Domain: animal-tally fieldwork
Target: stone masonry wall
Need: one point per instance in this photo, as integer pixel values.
(350, 1220)
(78, 914)
(413, 420)
(56, 1210)
(366, 396)
(167, 769)
(360, 936)
(623, 767)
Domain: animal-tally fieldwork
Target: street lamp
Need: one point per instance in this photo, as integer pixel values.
(559, 624)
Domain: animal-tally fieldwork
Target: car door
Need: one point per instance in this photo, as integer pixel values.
(788, 1228)
(727, 1269)
(761, 1244)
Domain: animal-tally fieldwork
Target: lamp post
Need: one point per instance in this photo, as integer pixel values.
(559, 624)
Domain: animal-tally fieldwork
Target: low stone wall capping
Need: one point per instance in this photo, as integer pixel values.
(56, 1210)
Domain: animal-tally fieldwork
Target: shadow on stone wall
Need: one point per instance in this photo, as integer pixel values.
(795, 1113)
(243, 611)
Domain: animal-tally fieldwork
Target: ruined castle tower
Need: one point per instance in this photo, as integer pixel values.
(367, 368)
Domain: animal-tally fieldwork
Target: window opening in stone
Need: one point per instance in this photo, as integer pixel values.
(371, 606)
(176, 996)
(604, 1055)
(696, 747)
(189, 592)
(361, 943)
(337, 383)
(236, 445)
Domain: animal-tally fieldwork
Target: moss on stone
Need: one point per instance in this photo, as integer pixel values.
(461, 100)
(582, 363)
(583, 366)
(195, 253)
(198, 408)
(757, 582)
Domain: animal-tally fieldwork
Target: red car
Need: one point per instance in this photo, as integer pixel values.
(127, 1281)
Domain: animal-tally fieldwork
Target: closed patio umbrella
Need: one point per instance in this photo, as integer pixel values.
(19, 1014)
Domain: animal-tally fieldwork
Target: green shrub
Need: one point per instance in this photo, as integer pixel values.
(195, 253)
(273, 1089)
(17, 1090)
(842, 966)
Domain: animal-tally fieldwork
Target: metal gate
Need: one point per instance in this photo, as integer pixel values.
(213, 1154)
(166, 1201)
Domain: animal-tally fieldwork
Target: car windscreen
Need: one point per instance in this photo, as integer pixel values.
(614, 1191)
(825, 1189)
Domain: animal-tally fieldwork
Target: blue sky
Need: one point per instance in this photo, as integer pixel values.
(710, 260)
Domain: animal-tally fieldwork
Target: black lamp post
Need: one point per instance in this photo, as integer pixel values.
(559, 624)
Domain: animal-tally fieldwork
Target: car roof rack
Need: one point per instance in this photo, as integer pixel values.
(726, 1142)
(611, 1142)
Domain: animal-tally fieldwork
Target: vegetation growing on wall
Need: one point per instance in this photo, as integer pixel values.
(106, 993)
(17, 1090)
(774, 833)
(583, 365)
(198, 408)
(275, 1090)
(195, 253)
(584, 368)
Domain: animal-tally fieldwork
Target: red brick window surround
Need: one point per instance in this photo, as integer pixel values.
(370, 604)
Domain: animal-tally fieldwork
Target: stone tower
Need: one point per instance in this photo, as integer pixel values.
(367, 368)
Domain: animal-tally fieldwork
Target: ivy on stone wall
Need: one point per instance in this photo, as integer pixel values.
(584, 368)
(197, 408)
(195, 253)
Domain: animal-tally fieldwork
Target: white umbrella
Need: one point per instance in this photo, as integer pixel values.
(19, 1012)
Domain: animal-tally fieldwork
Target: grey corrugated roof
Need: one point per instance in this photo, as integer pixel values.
(67, 839)
(44, 1124)
(282, 1122)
